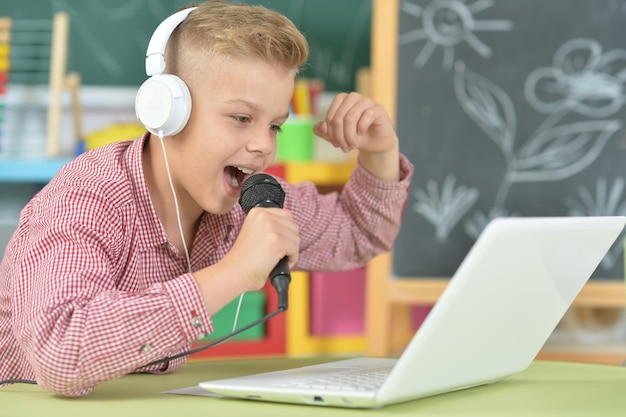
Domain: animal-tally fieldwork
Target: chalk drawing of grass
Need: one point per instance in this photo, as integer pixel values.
(606, 201)
(443, 209)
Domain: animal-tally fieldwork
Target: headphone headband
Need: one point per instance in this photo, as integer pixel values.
(155, 60)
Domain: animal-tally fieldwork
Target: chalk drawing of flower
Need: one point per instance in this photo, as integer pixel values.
(444, 209)
(581, 79)
(606, 201)
(553, 152)
(448, 23)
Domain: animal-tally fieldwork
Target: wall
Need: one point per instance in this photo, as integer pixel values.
(108, 39)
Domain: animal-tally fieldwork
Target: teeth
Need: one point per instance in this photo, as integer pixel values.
(245, 170)
(235, 181)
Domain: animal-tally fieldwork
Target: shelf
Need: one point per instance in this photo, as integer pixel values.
(601, 353)
(319, 172)
(30, 170)
(426, 291)
(42, 171)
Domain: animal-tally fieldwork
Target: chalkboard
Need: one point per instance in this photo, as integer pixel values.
(108, 39)
(508, 108)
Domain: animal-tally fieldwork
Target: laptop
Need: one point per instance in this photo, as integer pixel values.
(496, 313)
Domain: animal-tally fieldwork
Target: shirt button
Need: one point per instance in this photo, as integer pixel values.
(145, 348)
(196, 322)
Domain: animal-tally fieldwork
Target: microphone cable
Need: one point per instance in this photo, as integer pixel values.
(18, 381)
(220, 340)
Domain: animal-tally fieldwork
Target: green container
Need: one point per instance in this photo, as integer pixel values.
(252, 308)
(295, 141)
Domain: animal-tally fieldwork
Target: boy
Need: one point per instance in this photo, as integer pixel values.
(126, 254)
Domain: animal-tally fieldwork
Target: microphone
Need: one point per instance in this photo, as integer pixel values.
(262, 190)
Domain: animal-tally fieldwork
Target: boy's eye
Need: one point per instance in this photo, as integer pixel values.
(241, 119)
(276, 128)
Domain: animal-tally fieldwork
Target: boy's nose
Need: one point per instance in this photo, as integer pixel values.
(262, 143)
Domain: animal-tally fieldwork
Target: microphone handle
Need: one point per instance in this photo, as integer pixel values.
(280, 278)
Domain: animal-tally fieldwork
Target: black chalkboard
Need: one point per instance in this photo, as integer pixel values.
(108, 39)
(508, 108)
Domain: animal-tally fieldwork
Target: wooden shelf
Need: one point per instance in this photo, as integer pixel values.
(319, 172)
(596, 293)
(30, 170)
(605, 354)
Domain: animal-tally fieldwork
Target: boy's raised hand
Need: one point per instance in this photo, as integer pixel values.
(354, 121)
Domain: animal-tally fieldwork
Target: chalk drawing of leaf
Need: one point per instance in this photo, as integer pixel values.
(607, 201)
(561, 151)
(444, 210)
(488, 105)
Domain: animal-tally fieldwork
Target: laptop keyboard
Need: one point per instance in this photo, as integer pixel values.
(361, 380)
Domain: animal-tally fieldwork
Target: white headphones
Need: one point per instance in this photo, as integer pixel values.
(163, 102)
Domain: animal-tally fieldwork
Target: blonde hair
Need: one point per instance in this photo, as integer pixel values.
(222, 30)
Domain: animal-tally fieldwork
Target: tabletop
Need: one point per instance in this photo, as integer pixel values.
(544, 389)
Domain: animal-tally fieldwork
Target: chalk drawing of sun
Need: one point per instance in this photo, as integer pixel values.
(447, 23)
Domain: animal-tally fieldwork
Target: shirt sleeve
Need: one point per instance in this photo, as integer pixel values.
(343, 230)
(73, 317)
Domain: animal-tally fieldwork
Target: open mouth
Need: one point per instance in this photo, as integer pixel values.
(237, 175)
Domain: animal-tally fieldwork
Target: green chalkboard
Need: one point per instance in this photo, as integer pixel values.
(508, 108)
(108, 39)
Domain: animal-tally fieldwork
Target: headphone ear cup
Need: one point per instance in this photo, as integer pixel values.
(163, 104)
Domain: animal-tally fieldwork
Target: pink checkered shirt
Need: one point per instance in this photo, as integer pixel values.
(90, 288)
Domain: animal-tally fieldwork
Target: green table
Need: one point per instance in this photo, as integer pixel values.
(545, 389)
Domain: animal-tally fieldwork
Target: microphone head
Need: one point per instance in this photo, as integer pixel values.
(261, 190)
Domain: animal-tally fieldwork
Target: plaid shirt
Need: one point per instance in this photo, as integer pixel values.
(91, 289)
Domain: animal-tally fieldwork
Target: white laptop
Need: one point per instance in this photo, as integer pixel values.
(495, 315)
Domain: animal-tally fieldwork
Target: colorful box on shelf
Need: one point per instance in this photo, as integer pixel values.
(5, 36)
(299, 338)
(276, 170)
(338, 302)
(319, 172)
(252, 308)
(306, 95)
(115, 133)
(295, 141)
(418, 315)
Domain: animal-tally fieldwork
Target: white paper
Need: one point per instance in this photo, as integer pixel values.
(195, 390)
